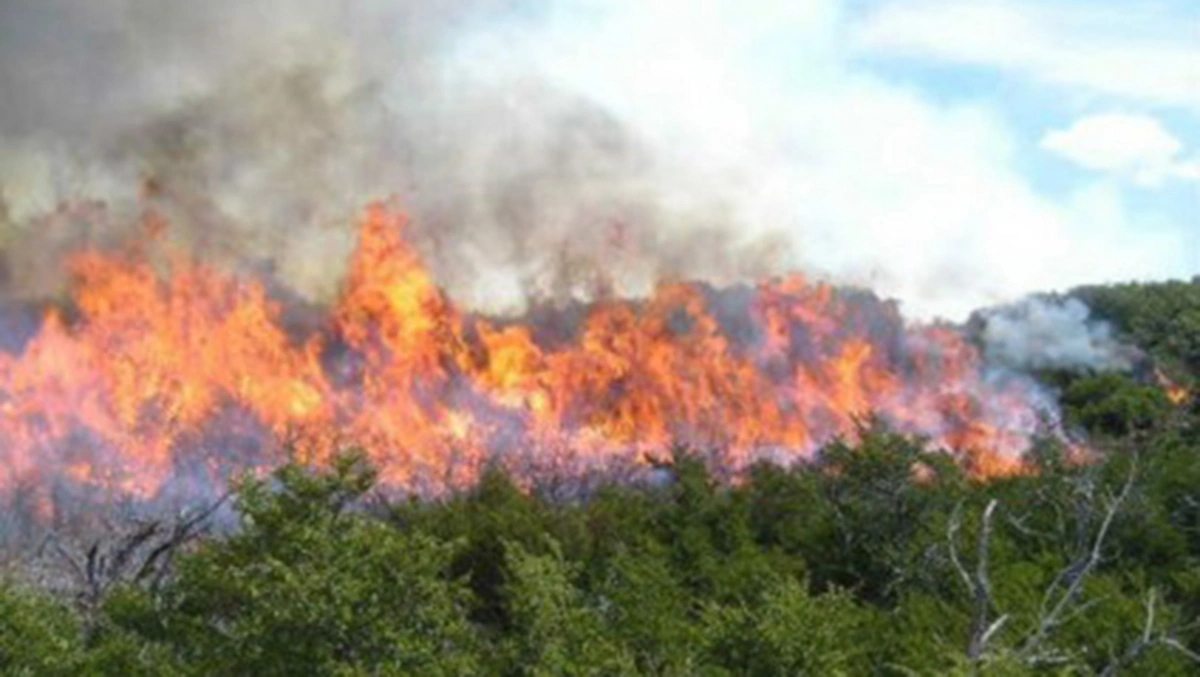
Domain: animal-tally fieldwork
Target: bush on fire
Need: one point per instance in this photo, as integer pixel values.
(882, 557)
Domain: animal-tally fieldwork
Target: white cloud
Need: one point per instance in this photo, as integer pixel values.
(1189, 170)
(872, 181)
(1149, 53)
(1136, 146)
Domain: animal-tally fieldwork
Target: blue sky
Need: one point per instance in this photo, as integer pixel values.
(953, 153)
(1166, 35)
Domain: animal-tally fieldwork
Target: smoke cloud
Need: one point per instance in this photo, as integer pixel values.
(260, 128)
(544, 148)
(1052, 334)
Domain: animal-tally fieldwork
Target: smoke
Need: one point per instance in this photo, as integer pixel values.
(258, 129)
(543, 147)
(1052, 334)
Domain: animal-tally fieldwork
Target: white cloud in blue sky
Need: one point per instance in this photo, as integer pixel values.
(952, 153)
(1146, 52)
(1136, 147)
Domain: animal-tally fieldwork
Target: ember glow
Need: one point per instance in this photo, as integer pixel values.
(163, 376)
(1176, 393)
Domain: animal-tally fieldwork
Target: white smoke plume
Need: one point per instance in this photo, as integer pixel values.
(1038, 333)
(542, 146)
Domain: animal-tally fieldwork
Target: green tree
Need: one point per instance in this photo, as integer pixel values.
(1112, 404)
(311, 585)
(37, 635)
(790, 632)
(556, 631)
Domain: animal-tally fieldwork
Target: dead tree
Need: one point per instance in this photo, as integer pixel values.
(1059, 602)
(1151, 637)
(1064, 590)
(141, 554)
(978, 584)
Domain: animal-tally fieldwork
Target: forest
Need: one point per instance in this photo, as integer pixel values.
(880, 557)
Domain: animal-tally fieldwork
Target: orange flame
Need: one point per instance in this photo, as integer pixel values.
(187, 375)
(1176, 393)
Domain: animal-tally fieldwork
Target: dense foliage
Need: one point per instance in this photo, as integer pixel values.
(1161, 318)
(882, 557)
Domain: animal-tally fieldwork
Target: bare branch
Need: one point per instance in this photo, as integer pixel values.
(1076, 573)
(991, 631)
(983, 586)
(138, 556)
(979, 584)
(183, 532)
(1143, 643)
(952, 530)
(1178, 646)
(1148, 640)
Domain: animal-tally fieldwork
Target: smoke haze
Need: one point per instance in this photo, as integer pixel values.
(259, 129)
(543, 149)
(566, 150)
(1052, 334)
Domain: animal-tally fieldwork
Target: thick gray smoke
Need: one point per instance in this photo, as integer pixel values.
(1052, 334)
(544, 146)
(260, 128)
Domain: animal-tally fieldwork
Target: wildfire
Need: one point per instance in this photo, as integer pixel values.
(180, 375)
(1176, 393)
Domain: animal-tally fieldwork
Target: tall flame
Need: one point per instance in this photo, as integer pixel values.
(179, 374)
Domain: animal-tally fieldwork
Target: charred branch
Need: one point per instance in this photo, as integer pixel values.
(140, 556)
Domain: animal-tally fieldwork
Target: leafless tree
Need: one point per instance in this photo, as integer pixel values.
(140, 553)
(983, 629)
(1064, 590)
(1151, 637)
(1060, 600)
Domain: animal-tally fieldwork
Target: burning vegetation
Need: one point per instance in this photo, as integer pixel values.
(163, 376)
(647, 448)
